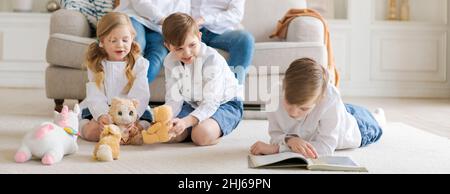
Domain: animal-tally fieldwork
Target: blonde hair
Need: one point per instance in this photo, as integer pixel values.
(305, 80)
(95, 54)
(176, 28)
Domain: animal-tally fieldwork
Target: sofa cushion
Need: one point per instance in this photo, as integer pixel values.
(261, 16)
(257, 94)
(267, 54)
(282, 54)
(67, 50)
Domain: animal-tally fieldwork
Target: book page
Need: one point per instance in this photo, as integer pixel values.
(291, 159)
(336, 163)
(286, 159)
(334, 160)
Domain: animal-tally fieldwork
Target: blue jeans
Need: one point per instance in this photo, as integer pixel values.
(239, 44)
(152, 48)
(368, 126)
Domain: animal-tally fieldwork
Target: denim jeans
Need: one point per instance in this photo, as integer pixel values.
(228, 115)
(152, 48)
(239, 44)
(368, 126)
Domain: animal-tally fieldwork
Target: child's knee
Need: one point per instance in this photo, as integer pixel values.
(201, 136)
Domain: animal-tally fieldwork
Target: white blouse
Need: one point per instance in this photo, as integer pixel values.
(150, 12)
(327, 127)
(98, 100)
(205, 85)
(220, 15)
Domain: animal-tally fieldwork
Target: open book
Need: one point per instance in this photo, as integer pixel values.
(291, 159)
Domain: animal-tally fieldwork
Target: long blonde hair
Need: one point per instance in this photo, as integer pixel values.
(96, 54)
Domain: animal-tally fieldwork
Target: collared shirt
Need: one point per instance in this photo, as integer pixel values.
(205, 85)
(150, 12)
(327, 127)
(98, 100)
(220, 15)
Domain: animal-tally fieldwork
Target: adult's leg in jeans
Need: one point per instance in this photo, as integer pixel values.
(239, 44)
(155, 52)
(140, 34)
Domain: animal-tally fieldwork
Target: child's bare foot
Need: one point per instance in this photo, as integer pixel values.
(380, 117)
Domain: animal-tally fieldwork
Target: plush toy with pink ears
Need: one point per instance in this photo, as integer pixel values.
(50, 141)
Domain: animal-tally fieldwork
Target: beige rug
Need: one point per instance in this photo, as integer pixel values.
(402, 149)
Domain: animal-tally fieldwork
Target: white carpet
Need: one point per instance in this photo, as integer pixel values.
(402, 149)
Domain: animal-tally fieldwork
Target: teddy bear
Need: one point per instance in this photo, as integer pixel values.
(50, 141)
(108, 148)
(158, 132)
(124, 115)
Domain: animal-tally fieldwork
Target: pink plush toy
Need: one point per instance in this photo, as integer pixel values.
(51, 141)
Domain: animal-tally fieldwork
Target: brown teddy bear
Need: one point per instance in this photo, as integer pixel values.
(108, 148)
(124, 115)
(159, 131)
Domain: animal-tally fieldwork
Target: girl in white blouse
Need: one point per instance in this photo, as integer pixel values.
(115, 69)
(312, 119)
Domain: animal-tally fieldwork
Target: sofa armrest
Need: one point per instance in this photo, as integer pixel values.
(305, 29)
(67, 50)
(69, 22)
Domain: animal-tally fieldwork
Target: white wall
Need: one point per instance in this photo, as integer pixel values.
(38, 5)
(398, 59)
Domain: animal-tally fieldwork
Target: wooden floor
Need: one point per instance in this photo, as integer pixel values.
(432, 115)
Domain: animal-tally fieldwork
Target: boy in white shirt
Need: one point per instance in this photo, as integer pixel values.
(312, 119)
(200, 87)
(220, 23)
(147, 17)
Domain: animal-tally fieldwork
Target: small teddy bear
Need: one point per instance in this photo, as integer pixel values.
(124, 115)
(158, 132)
(108, 148)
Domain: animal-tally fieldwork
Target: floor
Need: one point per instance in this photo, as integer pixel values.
(397, 152)
(431, 115)
(408, 120)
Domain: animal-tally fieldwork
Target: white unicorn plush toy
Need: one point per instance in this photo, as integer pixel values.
(51, 141)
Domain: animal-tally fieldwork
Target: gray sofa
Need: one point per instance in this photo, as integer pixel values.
(70, 35)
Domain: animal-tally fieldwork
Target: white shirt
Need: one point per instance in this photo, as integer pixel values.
(220, 15)
(205, 85)
(98, 100)
(327, 127)
(150, 12)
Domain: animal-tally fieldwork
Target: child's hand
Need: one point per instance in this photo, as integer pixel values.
(301, 146)
(261, 148)
(105, 119)
(200, 21)
(179, 125)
